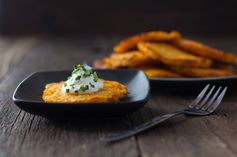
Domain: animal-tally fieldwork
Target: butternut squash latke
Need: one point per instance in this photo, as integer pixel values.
(111, 92)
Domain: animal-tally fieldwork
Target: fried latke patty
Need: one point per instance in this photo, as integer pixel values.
(127, 60)
(205, 51)
(112, 92)
(172, 56)
(131, 42)
(199, 72)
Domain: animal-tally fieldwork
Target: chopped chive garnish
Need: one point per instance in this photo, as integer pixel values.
(75, 66)
(84, 88)
(69, 77)
(95, 77)
(78, 66)
(78, 77)
(72, 85)
(93, 86)
(78, 72)
(87, 73)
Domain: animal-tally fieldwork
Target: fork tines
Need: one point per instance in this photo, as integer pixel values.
(209, 98)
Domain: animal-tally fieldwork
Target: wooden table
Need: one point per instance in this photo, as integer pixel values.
(23, 134)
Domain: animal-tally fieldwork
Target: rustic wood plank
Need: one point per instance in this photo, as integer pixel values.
(29, 135)
(23, 134)
(188, 137)
(12, 51)
(213, 136)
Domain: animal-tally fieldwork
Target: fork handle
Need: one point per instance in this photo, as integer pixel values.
(139, 128)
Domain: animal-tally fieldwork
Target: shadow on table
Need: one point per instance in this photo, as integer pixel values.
(107, 126)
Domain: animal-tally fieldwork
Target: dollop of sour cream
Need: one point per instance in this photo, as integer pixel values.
(82, 80)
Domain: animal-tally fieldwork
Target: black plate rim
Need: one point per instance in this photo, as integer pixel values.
(194, 79)
(18, 100)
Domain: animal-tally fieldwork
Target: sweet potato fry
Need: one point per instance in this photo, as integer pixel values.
(102, 64)
(199, 72)
(127, 60)
(159, 72)
(172, 56)
(131, 42)
(224, 66)
(205, 51)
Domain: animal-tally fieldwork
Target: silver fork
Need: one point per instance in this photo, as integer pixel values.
(204, 104)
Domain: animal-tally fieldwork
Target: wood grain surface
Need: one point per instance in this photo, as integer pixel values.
(26, 135)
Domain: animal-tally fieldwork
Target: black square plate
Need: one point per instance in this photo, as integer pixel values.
(28, 94)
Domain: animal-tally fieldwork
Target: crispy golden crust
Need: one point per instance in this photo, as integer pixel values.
(131, 42)
(159, 72)
(102, 64)
(127, 60)
(205, 51)
(112, 91)
(198, 72)
(224, 66)
(172, 56)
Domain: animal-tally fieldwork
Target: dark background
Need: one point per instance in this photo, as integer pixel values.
(63, 17)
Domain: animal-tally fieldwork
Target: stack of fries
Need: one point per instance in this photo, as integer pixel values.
(162, 54)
